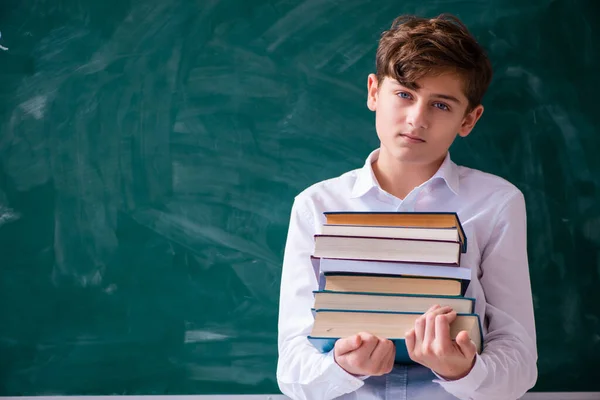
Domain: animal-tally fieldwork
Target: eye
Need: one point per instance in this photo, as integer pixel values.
(441, 106)
(404, 95)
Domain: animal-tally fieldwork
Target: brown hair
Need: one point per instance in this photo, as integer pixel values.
(415, 47)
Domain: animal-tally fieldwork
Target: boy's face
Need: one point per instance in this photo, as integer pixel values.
(418, 126)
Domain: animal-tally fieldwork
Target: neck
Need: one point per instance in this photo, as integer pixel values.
(400, 178)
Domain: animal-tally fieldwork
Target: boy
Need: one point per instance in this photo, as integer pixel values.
(431, 77)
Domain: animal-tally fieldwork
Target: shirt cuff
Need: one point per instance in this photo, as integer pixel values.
(345, 381)
(468, 384)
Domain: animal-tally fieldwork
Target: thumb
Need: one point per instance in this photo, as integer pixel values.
(347, 344)
(409, 340)
(466, 345)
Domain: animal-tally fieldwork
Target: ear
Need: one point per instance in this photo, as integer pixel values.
(470, 120)
(372, 92)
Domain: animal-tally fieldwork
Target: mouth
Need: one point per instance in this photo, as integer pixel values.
(411, 138)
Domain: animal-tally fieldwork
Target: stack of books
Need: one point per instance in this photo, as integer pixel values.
(378, 272)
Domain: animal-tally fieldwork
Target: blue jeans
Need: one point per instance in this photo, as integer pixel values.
(413, 382)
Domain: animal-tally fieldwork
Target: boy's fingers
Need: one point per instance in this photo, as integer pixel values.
(419, 330)
(409, 339)
(381, 350)
(442, 327)
(442, 333)
(368, 344)
(429, 331)
(429, 324)
(390, 356)
(347, 344)
(433, 307)
(466, 345)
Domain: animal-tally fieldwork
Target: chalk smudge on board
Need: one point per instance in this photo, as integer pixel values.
(2, 47)
(35, 106)
(8, 215)
(203, 336)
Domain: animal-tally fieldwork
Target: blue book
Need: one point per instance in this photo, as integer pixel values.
(331, 325)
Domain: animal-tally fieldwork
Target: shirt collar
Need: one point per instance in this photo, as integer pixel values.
(365, 180)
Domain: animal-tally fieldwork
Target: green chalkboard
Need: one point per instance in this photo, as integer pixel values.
(150, 151)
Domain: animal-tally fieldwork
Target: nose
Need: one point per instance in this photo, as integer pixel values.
(418, 116)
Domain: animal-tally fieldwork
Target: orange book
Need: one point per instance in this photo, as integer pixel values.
(399, 219)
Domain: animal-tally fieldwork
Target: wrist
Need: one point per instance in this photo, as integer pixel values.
(458, 375)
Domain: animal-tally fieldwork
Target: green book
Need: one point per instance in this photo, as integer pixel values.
(374, 301)
(331, 325)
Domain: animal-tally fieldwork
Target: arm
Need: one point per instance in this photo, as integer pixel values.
(302, 371)
(507, 368)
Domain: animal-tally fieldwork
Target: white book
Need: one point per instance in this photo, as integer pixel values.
(323, 265)
(402, 232)
(388, 249)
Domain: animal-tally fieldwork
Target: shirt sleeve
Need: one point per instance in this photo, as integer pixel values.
(302, 371)
(507, 366)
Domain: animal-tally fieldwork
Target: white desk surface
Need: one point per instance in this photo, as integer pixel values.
(528, 396)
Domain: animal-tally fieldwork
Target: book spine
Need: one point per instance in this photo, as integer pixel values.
(464, 285)
(316, 264)
(377, 238)
(321, 280)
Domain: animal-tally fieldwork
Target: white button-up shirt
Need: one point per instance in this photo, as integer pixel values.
(492, 212)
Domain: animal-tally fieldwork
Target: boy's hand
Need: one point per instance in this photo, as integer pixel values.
(429, 344)
(365, 354)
